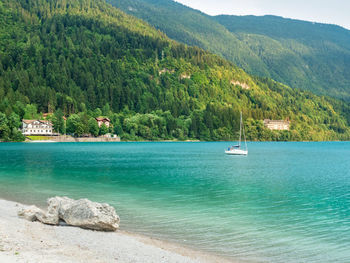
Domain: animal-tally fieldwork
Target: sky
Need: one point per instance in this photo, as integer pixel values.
(322, 11)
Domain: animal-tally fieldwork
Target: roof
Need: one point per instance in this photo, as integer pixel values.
(102, 119)
(31, 121)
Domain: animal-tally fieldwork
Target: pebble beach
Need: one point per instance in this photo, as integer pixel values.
(24, 241)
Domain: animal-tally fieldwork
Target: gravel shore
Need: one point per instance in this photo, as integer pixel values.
(24, 241)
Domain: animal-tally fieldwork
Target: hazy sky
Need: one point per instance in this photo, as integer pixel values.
(323, 11)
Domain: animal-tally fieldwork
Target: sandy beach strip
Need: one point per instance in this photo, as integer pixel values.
(24, 241)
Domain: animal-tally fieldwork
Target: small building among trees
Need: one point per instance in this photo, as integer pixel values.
(278, 125)
(103, 120)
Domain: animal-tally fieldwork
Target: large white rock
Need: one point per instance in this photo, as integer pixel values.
(82, 213)
(87, 214)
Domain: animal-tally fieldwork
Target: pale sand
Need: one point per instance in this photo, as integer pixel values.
(34, 242)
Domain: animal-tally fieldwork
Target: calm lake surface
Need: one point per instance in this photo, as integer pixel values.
(285, 202)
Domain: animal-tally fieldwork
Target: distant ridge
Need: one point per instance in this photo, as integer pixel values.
(306, 55)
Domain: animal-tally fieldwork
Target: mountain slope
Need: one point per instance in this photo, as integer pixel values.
(300, 54)
(193, 28)
(316, 54)
(86, 59)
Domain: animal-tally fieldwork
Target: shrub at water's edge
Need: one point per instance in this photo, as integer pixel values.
(87, 59)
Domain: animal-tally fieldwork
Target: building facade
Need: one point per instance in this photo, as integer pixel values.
(103, 120)
(277, 125)
(37, 127)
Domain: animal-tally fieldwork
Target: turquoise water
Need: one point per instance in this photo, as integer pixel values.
(285, 202)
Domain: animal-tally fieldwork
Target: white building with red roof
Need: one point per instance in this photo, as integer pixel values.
(37, 127)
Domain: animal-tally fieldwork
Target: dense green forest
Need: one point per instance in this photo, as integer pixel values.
(301, 54)
(83, 58)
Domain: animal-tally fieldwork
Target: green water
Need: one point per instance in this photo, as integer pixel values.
(285, 202)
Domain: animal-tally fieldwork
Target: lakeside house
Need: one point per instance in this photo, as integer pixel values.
(277, 125)
(103, 120)
(37, 127)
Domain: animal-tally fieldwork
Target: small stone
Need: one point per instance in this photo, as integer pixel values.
(30, 213)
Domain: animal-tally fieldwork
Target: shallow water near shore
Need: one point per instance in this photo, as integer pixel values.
(285, 202)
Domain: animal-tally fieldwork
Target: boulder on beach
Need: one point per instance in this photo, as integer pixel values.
(82, 213)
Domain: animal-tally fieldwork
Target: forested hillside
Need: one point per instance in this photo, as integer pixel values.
(301, 54)
(194, 28)
(83, 59)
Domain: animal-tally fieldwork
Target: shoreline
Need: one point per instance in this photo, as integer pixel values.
(168, 141)
(24, 241)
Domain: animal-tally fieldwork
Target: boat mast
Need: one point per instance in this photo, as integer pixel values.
(240, 131)
(245, 140)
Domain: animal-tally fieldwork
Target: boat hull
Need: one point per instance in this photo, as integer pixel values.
(236, 152)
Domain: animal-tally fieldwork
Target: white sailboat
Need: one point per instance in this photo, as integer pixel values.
(237, 149)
